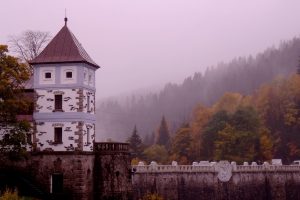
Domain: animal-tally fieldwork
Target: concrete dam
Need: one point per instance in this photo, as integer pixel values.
(220, 181)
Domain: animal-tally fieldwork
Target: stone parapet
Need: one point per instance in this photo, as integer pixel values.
(111, 147)
(190, 168)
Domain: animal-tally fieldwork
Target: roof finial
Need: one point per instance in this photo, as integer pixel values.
(66, 19)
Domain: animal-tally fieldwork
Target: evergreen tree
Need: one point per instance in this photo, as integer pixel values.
(210, 132)
(135, 143)
(163, 136)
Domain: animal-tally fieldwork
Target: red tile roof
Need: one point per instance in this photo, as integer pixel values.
(64, 48)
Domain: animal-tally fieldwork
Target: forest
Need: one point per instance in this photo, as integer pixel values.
(237, 127)
(117, 117)
(244, 110)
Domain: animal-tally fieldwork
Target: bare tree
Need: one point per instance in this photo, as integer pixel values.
(29, 44)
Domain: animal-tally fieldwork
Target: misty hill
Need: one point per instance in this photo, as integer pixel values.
(116, 118)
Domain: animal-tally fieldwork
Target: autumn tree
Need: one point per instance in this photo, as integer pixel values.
(181, 145)
(229, 102)
(201, 116)
(135, 144)
(13, 75)
(279, 106)
(156, 153)
(163, 135)
(239, 140)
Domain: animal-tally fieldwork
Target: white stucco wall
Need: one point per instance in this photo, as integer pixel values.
(45, 136)
(89, 77)
(87, 93)
(43, 80)
(64, 79)
(88, 146)
(45, 100)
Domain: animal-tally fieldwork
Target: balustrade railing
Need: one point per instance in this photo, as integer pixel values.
(111, 146)
(155, 168)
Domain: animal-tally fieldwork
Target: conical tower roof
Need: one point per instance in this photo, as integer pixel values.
(64, 48)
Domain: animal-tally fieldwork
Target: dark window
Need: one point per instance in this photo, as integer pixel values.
(57, 183)
(88, 135)
(88, 103)
(58, 134)
(58, 102)
(69, 74)
(48, 75)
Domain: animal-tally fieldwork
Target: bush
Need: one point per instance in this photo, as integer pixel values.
(152, 197)
(10, 195)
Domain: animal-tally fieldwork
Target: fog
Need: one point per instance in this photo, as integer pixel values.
(144, 44)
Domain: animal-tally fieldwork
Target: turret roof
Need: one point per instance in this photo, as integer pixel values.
(64, 48)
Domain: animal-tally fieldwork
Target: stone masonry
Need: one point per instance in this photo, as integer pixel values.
(232, 182)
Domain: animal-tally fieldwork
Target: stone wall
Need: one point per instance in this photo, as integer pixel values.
(217, 182)
(76, 168)
(102, 174)
(77, 172)
(112, 171)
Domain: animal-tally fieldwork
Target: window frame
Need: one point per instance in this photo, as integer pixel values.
(42, 75)
(88, 107)
(47, 73)
(58, 135)
(58, 102)
(90, 79)
(88, 135)
(68, 73)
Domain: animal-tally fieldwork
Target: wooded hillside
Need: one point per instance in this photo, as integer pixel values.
(176, 102)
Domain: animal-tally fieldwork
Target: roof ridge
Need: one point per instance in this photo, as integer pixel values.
(80, 48)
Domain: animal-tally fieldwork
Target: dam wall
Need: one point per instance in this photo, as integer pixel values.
(222, 180)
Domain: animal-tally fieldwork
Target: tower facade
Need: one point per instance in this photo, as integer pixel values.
(67, 163)
(64, 83)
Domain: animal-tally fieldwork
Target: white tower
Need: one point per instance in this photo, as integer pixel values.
(64, 83)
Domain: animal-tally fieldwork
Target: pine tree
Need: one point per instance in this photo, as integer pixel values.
(163, 136)
(135, 143)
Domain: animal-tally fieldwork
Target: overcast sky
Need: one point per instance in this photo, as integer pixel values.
(146, 43)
